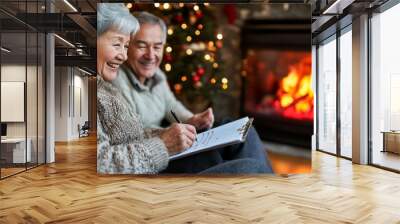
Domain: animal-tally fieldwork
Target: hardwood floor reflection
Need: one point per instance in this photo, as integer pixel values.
(288, 159)
(387, 159)
(10, 171)
(286, 164)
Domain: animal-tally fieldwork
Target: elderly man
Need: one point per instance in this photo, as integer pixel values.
(145, 85)
(145, 88)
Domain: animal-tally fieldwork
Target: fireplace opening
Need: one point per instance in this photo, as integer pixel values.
(276, 77)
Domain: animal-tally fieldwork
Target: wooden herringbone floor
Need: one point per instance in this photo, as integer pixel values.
(70, 191)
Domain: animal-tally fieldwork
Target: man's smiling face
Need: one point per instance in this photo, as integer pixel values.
(146, 51)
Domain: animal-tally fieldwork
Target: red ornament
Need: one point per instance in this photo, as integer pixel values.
(196, 78)
(199, 14)
(168, 57)
(230, 12)
(200, 71)
(219, 44)
(179, 18)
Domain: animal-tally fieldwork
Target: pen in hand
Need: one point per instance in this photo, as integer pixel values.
(177, 120)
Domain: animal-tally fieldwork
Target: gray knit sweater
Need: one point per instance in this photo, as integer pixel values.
(123, 145)
(152, 101)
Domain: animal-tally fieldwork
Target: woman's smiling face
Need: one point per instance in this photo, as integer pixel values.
(112, 49)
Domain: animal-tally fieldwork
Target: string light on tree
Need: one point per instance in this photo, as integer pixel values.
(178, 88)
(192, 56)
(213, 81)
(168, 67)
(129, 5)
(184, 78)
(211, 46)
(166, 5)
(193, 19)
(170, 31)
(224, 83)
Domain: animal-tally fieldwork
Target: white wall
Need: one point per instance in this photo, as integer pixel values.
(71, 94)
(80, 110)
(17, 73)
(33, 127)
(61, 104)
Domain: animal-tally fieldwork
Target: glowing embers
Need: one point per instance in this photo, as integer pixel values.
(294, 97)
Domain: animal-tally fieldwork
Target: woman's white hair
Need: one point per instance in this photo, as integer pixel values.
(115, 16)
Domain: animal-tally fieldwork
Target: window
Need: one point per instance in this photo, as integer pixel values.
(346, 92)
(22, 77)
(327, 96)
(385, 88)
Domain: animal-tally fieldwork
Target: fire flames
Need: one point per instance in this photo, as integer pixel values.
(295, 96)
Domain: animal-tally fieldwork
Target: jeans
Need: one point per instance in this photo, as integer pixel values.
(248, 157)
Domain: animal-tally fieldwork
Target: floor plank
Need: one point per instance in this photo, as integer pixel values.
(70, 191)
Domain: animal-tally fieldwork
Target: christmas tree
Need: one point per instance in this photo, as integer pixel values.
(192, 61)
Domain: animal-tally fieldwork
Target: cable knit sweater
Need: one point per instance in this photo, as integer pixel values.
(123, 145)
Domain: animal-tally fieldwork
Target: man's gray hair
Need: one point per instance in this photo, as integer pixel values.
(148, 18)
(115, 16)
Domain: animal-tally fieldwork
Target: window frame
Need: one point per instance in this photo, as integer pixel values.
(347, 27)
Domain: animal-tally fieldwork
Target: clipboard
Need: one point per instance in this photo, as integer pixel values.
(234, 132)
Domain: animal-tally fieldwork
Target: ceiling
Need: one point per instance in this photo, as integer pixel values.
(22, 21)
(75, 21)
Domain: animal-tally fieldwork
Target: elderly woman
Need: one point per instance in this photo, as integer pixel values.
(123, 145)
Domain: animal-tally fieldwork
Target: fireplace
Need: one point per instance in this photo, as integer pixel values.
(276, 77)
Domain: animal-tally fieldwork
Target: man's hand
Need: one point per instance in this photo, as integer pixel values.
(178, 137)
(203, 120)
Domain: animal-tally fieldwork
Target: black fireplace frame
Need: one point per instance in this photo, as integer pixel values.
(277, 34)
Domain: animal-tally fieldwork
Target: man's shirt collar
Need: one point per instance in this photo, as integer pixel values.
(148, 85)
